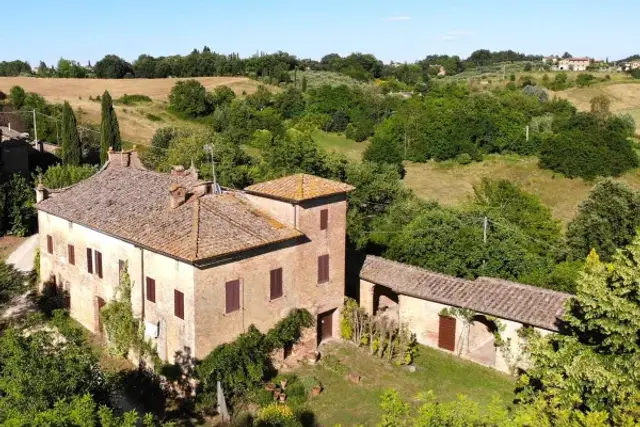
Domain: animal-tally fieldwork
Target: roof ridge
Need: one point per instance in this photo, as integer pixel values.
(519, 285)
(195, 226)
(212, 208)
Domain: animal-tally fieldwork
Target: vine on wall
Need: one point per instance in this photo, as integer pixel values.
(384, 338)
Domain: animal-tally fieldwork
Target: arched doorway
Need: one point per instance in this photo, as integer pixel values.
(481, 346)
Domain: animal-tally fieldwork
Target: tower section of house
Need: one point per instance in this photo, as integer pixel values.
(205, 265)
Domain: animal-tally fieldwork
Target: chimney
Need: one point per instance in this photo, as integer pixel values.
(177, 170)
(41, 193)
(177, 195)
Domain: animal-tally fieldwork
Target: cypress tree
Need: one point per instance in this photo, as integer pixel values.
(109, 128)
(70, 146)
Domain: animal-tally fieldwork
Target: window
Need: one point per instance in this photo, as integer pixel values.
(89, 260)
(276, 283)
(98, 264)
(151, 289)
(178, 304)
(323, 268)
(233, 295)
(50, 244)
(122, 266)
(324, 219)
(72, 254)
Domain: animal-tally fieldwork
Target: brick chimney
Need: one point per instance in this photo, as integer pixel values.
(177, 195)
(177, 170)
(119, 158)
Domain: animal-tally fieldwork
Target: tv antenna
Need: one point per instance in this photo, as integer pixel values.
(216, 187)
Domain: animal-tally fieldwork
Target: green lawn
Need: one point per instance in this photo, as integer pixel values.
(348, 404)
(339, 143)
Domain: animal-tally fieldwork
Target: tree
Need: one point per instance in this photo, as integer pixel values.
(606, 220)
(70, 145)
(566, 55)
(17, 97)
(584, 79)
(600, 105)
(591, 366)
(222, 95)
(290, 103)
(383, 151)
(189, 97)
(112, 67)
(109, 128)
(12, 282)
(60, 176)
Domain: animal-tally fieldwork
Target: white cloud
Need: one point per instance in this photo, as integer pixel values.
(397, 18)
(452, 36)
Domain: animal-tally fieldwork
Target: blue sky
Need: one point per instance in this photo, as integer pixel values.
(400, 30)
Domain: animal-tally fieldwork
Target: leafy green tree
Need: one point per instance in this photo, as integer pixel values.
(296, 152)
(45, 365)
(290, 103)
(71, 151)
(109, 128)
(12, 282)
(584, 79)
(606, 220)
(503, 199)
(222, 95)
(19, 199)
(591, 366)
(189, 97)
(112, 67)
(159, 145)
(260, 99)
(383, 151)
(17, 97)
(60, 176)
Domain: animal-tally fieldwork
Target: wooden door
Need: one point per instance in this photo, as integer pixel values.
(447, 333)
(325, 326)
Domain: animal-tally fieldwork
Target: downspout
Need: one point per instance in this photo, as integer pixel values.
(142, 283)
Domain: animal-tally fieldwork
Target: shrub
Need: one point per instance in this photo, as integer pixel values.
(153, 117)
(17, 96)
(12, 282)
(584, 79)
(132, 99)
(60, 176)
(464, 158)
(189, 97)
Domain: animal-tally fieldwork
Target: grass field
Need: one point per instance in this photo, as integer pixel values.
(136, 124)
(340, 144)
(349, 404)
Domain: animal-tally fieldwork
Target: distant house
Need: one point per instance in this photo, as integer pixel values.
(633, 65)
(574, 64)
(552, 60)
(426, 302)
(14, 152)
(205, 263)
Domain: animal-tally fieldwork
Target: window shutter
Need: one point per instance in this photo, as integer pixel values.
(323, 268)
(324, 219)
(50, 244)
(232, 290)
(178, 304)
(276, 283)
(89, 261)
(151, 289)
(72, 254)
(98, 264)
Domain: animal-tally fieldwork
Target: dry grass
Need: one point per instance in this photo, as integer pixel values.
(9, 244)
(452, 184)
(135, 126)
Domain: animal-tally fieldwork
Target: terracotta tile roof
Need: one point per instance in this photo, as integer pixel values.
(133, 204)
(494, 297)
(298, 188)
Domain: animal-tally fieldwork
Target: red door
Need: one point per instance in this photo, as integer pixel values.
(447, 333)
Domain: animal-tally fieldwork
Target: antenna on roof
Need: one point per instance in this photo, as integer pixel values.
(216, 187)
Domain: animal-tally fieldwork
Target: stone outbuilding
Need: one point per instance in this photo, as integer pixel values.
(483, 320)
(205, 262)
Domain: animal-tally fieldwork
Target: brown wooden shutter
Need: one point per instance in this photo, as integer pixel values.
(89, 261)
(151, 289)
(72, 254)
(50, 244)
(232, 290)
(276, 283)
(447, 333)
(324, 219)
(323, 268)
(178, 304)
(98, 264)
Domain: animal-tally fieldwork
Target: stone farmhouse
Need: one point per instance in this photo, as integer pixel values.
(574, 64)
(205, 262)
(424, 301)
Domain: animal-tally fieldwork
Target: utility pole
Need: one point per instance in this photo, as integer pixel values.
(527, 130)
(484, 230)
(35, 126)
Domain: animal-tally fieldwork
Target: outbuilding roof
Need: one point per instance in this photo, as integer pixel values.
(125, 201)
(495, 297)
(299, 188)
